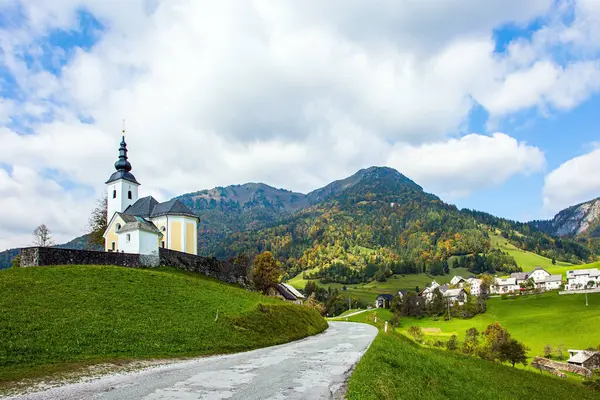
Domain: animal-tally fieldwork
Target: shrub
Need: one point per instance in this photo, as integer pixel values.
(452, 343)
(548, 351)
(416, 333)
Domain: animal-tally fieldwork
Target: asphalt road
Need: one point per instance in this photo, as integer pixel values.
(313, 368)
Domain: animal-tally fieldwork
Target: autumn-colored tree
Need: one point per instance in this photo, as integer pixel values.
(314, 303)
(495, 336)
(265, 272)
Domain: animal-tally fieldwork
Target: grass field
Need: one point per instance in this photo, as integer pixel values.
(56, 319)
(367, 292)
(394, 368)
(528, 261)
(535, 321)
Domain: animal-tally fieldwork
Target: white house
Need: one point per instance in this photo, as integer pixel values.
(458, 281)
(505, 285)
(427, 293)
(453, 295)
(519, 277)
(141, 226)
(384, 301)
(579, 278)
(538, 275)
(475, 285)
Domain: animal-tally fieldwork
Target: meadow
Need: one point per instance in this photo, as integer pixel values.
(54, 319)
(396, 368)
(534, 320)
(367, 292)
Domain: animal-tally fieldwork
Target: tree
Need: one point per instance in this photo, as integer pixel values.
(553, 261)
(265, 273)
(548, 351)
(495, 336)
(15, 262)
(452, 343)
(314, 303)
(310, 288)
(471, 342)
(97, 222)
(513, 351)
(416, 333)
(436, 306)
(42, 236)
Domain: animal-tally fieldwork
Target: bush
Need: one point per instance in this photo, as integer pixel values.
(452, 343)
(548, 351)
(504, 296)
(416, 333)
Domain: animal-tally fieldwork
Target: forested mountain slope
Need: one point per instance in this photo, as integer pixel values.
(385, 223)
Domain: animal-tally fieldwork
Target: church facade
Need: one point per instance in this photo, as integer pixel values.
(142, 225)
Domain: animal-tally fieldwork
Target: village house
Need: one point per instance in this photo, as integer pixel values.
(458, 281)
(475, 285)
(383, 301)
(541, 279)
(141, 226)
(581, 278)
(287, 293)
(455, 295)
(585, 358)
(505, 285)
(472, 283)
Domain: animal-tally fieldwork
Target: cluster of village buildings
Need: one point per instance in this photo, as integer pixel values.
(539, 278)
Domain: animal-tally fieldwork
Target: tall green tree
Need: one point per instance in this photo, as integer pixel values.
(513, 351)
(436, 305)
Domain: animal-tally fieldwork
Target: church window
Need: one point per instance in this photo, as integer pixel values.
(129, 194)
(117, 227)
(113, 246)
(128, 238)
(163, 244)
(114, 194)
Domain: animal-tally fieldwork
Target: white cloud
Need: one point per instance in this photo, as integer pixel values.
(575, 181)
(458, 166)
(295, 94)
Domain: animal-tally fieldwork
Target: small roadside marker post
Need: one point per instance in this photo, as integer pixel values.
(375, 319)
(385, 329)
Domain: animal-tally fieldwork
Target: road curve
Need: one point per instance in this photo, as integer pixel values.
(312, 368)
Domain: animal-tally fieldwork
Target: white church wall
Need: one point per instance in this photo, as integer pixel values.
(129, 242)
(118, 196)
(148, 243)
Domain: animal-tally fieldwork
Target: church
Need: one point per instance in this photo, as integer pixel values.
(141, 226)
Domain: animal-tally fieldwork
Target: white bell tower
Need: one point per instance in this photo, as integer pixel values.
(122, 187)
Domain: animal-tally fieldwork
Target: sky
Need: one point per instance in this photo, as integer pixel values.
(492, 105)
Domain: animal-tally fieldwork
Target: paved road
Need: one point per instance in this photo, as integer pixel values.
(311, 368)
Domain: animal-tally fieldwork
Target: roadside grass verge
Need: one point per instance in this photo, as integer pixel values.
(396, 368)
(56, 319)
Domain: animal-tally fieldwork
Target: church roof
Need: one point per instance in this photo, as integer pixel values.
(148, 207)
(142, 207)
(122, 166)
(172, 207)
(141, 224)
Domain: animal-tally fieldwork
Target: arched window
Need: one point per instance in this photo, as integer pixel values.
(114, 194)
(128, 238)
(117, 227)
(129, 194)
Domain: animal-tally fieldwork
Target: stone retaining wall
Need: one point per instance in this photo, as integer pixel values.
(227, 271)
(559, 366)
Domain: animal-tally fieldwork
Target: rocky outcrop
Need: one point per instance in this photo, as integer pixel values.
(577, 219)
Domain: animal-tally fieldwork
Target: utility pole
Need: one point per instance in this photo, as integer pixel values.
(586, 299)
(448, 303)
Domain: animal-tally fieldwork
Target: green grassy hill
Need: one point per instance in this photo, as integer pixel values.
(535, 321)
(59, 318)
(367, 292)
(395, 368)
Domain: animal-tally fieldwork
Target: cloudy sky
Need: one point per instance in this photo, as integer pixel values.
(493, 105)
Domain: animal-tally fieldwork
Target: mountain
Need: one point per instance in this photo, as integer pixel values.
(580, 219)
(379, 222)
(237, 208)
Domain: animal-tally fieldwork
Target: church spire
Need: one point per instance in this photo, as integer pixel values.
(122, 165)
